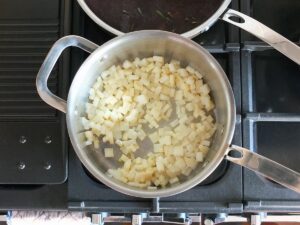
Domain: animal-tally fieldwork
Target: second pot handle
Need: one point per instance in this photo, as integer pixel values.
(49, 63)
(264, 33)
(266, 167)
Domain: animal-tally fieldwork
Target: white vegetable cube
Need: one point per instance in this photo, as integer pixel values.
(131, 134)
(119, 94)
(165, 140)
(111, 100)
(164, 97)
(89, 135)
(198, 74)
(206, 143)
(180, 163)
(191, 162)
(109, 152)
(172, 67)
(189, 107)
(174, 123)
(178, 151)
(126, 98)
(136, 62)
(157, 148)
(199, 156)
(105, 74)
(149, 67)
(144, 62)
(96, 101)
(141, 99)
(187, 171)
(203, 149)
(96, 143)
(158, 90)
(154, 137)
(165, 108)
(190, 70)
(164, 78)
(158, 59)
(110, 137)
(190, 81)
(179, 95)
(127, 164)
(132, 116)
(155, 113)
(174, 180)
(182, 72)
(204, 89)
(123, 158)
(172, 81)
(159, 164)
(86, 143)
(92, 94)
(85, 123)
(127, 64)
(141, 135)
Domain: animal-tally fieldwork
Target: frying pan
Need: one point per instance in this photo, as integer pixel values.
(206, 13)
(171, 46)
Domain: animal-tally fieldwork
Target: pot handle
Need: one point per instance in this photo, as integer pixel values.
(47, 66)
(264, 33)
(266, 167)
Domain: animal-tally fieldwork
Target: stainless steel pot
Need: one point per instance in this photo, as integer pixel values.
(144, 44)
(231, 16)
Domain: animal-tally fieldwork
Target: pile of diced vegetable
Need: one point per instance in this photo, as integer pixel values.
(129, 103)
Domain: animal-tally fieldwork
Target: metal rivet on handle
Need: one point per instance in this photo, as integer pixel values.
(48, 139)
(22, 140)
(21, 165)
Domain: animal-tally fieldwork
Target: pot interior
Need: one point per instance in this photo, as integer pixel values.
(145, 44)
(177, 16)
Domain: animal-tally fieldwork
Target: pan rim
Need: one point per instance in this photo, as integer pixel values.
(189, 34)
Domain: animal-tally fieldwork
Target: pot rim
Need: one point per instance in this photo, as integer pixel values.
(164, 192)
(188, 34)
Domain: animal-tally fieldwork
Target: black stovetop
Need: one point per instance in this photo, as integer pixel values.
(266, 86)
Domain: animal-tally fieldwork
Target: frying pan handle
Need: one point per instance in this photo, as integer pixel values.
(266, 167)
(264, 33)
(48, 64)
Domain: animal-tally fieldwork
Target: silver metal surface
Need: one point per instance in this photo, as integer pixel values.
(266, 167)
(281, 218)
(226, 219)
(189, 34)
(155, 203)
(144, 44)
(137, 220)
(116, 219)
(254, 219)
(170, 46)
(264, 33)
(3, 218)
(248, 24)
(49, 63)
(96, 219)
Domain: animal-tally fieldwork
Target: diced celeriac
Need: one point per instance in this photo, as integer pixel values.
(109, 152)
(128, 99)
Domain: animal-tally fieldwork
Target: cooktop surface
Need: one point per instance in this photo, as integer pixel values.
(39, 168)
